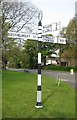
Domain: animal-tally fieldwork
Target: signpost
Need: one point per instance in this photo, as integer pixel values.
(40, 38)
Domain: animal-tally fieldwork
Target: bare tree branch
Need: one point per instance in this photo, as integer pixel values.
(20, 14)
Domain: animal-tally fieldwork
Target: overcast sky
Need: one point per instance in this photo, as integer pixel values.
(56, 10)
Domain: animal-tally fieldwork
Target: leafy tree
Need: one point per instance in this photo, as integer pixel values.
(14, 56)
(47, 49)
(69, 51)
(30, 47)
(24, 59)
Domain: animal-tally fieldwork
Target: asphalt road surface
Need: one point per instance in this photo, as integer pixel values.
(65, 76)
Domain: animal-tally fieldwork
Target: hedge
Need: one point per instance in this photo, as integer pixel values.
(59, 68)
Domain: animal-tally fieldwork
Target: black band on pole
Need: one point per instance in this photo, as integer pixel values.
(38, 104)
(39, 68)
(39, 46)
(38, 88)
(39, 24)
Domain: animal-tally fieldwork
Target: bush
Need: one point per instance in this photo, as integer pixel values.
(59, 68)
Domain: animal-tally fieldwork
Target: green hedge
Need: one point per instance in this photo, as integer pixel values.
(59, 68)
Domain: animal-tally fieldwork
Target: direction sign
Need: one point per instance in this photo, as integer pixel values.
(61, 40)
(51, 39)
(51, 27)
(22, 35)
(48, 39)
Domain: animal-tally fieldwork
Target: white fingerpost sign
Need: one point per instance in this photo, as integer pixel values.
(51, 39)
(51, 27)
(61, 40)
(22, 35)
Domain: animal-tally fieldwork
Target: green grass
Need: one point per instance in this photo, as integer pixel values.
(19, 97)
(0, 95)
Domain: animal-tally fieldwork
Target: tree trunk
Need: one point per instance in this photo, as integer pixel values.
(4, 63)
(44, 60)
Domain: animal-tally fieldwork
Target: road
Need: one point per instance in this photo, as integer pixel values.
(65, 76)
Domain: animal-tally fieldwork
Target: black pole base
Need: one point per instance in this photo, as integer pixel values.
(38, 105)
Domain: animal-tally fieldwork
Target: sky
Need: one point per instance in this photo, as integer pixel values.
(56, 11)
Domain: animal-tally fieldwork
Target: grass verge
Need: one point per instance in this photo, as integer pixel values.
(0, 94)
(19, 97)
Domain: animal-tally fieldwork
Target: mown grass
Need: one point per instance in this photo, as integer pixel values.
(19, 97)
(0, 94)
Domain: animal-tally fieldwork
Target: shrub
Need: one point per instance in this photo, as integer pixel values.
(59, 68)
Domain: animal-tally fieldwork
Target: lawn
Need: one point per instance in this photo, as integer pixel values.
(0, 94)
(19, 97)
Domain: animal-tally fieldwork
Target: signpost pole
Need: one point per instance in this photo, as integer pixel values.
(39, 92)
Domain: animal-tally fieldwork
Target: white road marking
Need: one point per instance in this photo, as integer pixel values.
(63, 73)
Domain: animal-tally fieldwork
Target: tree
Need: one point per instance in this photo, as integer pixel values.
(47, 49)
(14, 56)
(24, 59)
(5, 29)
(20, 15)
(69, 51)
(15, 17)
(30, 47)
